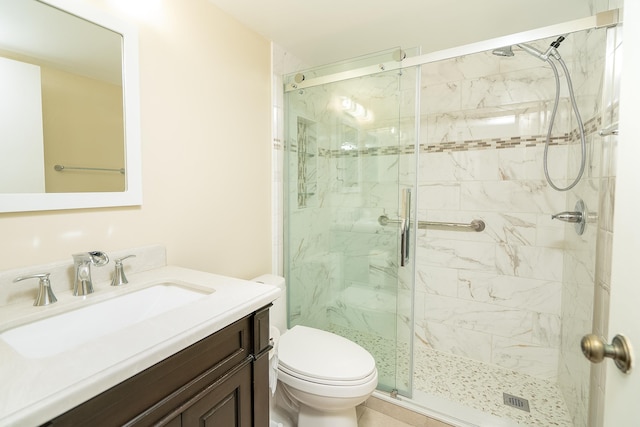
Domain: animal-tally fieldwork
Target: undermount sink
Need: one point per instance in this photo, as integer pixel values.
(59, 333)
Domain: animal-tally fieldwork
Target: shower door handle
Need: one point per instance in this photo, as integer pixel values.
(405, 227)
(404, 250)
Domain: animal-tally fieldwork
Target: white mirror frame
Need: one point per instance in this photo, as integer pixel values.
(132, 196)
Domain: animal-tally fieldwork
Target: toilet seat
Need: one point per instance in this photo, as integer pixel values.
(320, 357)
(307, 378)
(346, 391)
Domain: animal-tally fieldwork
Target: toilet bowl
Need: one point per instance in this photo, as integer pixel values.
(323, 375)
(326, 374)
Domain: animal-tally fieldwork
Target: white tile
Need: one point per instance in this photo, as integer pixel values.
(455, 340)
(530, 262)
(527, 358)
(510, 196)
(445, 195)
(437, 280)
(526, 294)
(456, 254)
(479, 317)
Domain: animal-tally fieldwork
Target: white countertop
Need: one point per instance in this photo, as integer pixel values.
(35, 390)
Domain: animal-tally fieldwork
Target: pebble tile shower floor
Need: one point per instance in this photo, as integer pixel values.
(470, 383)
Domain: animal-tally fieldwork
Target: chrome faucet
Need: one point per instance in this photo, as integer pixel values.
(82, 262)
(119, 277)
(45, 293)
(578, 217)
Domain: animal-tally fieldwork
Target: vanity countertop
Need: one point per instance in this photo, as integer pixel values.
(35, 390)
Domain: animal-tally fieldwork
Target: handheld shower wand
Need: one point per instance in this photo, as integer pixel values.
(546, 56)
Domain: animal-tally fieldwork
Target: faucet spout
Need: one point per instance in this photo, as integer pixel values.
(82, 262)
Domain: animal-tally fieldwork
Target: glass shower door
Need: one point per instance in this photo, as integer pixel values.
(350, 151)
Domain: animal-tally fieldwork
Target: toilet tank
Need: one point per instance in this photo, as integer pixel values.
(278, 312)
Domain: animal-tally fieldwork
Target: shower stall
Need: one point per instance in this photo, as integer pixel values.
(418, 219)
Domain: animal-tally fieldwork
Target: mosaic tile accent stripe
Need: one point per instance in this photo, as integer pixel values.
(590, 127)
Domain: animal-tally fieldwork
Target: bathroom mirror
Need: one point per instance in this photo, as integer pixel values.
(69, 107)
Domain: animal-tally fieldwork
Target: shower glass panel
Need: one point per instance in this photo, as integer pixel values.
(349, 159)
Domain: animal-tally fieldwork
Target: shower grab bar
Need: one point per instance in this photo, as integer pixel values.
(475, 225)
(60, 168)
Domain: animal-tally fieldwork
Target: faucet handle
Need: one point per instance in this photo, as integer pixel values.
(45, 293)
(118, 275)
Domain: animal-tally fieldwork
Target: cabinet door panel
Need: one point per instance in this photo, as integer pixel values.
(261, 391)
(228, 404)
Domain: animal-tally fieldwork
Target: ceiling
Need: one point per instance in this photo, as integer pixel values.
(327, 31)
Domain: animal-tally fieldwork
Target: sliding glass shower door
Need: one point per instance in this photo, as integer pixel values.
(350, 160)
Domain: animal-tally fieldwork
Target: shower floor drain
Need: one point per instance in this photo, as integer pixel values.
(516, 402)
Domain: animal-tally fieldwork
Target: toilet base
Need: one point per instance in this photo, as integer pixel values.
(310, 417)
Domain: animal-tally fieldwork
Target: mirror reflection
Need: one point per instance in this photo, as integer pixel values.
(61, 102)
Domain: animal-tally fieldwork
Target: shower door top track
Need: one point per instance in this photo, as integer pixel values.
(604, 19)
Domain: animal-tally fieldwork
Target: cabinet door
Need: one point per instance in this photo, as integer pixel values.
(261, 391)
(226, 403)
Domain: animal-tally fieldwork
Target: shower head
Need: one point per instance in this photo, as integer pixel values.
(503, 51)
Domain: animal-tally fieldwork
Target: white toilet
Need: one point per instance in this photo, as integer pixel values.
(322, 376)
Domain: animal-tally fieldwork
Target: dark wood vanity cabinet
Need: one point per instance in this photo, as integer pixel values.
(222, 380)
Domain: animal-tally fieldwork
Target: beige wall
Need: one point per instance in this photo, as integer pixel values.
(205, 108)
(83, 126)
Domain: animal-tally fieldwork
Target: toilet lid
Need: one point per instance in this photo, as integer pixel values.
(322, 355)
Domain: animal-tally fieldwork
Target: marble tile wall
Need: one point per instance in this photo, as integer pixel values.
(496, 296)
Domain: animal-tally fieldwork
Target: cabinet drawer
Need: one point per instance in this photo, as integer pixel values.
(261, 331)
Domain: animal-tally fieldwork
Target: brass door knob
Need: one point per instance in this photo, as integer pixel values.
(596, 349)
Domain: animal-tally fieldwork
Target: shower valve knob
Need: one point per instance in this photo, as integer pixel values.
(571, 217)
(578, 217)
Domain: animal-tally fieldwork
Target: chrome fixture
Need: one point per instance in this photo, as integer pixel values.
(506, 51)
(399, 55)
(60, 168)
(83, 261)
(608, 18)
(577, 217)
(405, 227)
(609, 130)
(547, 56)
(45, 293)
(596, 349)
(118, 275)
(475, 225)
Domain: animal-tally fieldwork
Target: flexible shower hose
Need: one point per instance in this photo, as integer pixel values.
(574, 105)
